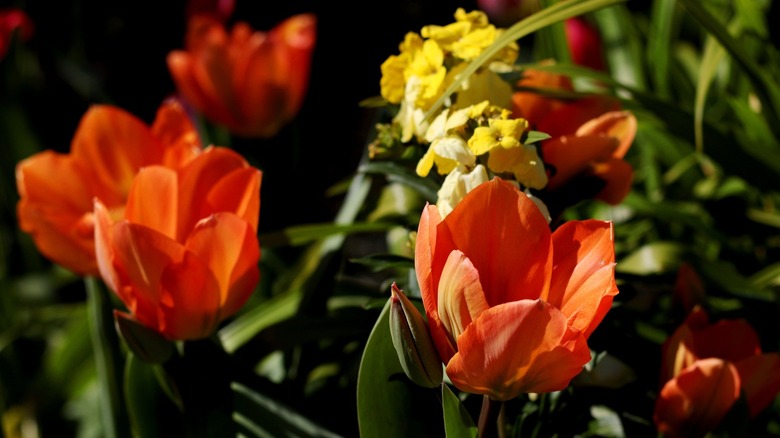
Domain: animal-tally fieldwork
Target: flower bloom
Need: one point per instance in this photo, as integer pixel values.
(704, 369)
(13, 20)
(184, 256)
(110, 145)
(511, 305)
(590, 137)
(252, 82)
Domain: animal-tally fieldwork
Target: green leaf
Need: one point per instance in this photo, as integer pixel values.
(726, 276)
(653, 258)
(388, 403)
(265, 417)
(149, 409)
(711, 59)
(659, 38)
(534, 136)
(626, 50)
(304, 234)
(457, 421)
(379, 262)
(394, 172)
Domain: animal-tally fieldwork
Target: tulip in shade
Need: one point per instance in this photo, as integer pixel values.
(705, 367)
(185, 255)
(110, 145)
(13, 21)
(252, 82)
(511, 305)
(590, 137)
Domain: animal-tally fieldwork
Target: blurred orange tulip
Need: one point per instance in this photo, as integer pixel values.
(704, 367)
(110, 145)
(590, 136)
(252, 82)
(511, 305)
(184, 257)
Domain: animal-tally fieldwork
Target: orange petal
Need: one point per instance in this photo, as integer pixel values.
(694, 403)
(583, 273)
(618, 124)
(511, 250)
(175, 131)
(153, 200)
(731, 340)
(198, 178)
(760, 377)
(238, 192)
(141, 256)
(104, 251)
(461, 298)
(567, 119)
(182, 67)
(617, 176)
(677, 351)
(228, 246)
(191, 297)
(570, 155)
(294, 40)
(264, 98)
(115, 145)
(429, 283)
(518, 347)
(57, 211)
(534, 106)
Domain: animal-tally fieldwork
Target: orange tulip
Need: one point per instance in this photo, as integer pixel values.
(590, 136)
(511, 305)
(110, 145)
(251, 82)
(184, 257)
(712, 349)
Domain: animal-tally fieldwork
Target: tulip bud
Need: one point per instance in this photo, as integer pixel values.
(412, 342)
(144, 342)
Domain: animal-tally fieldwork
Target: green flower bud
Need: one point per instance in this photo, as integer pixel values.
(412, 342)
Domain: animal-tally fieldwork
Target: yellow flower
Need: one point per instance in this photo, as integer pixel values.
(499, 132)
(457, 184)
(447, 153)
(469, 36)
(523, 162)
(393, 81)
(425, 75)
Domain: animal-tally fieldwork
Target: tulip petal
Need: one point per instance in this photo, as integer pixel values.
(429, 286)
(115, 145)
(197, 179)
(511, 250)
(760, 378)
(228, 246)
(57, 211)
(461, 298)
(175, 131)
(140, 257)
(583, 273)
(294, 40)
(189, 308)
(104, 251)
(153, 200)
(568, 118)
(617, 176)
(237, 192)
(518, 347)
(728, 339)
(618, 124)
(693, 403)
(570, 155)
(181, 65)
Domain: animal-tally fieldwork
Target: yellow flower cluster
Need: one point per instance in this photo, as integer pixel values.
(428, 62)
(458, 138)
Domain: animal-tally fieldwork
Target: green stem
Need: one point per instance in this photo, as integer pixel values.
(491, 419)
(105, 345)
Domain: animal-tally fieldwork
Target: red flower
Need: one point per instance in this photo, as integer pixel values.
(184, 257)
(13, 20)
(584, 43)
(705, 367)
(110, 146)
(251, 82)
(511, 305)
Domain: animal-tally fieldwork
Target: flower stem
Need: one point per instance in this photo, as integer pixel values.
(105, 344)
(491, 419)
